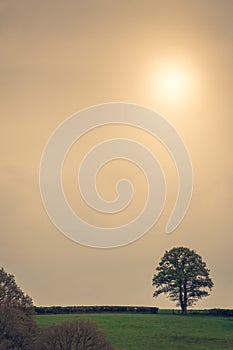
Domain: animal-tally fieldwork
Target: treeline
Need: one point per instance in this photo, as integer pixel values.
(94, 309)
(43, 310)
(213, 312)
(205, 312)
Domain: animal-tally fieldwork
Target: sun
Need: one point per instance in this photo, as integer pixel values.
(172, 83)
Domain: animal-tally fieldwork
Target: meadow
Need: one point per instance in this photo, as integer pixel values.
(161, 331)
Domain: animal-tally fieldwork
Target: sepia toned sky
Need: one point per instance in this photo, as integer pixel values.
(58, 57)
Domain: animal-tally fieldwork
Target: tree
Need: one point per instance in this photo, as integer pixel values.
(73, 335)
(11, 295)
(17, 329)
(183, 276)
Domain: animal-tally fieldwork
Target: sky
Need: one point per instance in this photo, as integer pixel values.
(59, 57)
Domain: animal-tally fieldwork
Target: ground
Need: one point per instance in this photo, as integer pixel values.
(163, 332)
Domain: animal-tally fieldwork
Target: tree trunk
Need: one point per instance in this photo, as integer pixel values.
(183, 300)
(184, 309)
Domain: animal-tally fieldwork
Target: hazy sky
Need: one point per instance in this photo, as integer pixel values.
(58, 57)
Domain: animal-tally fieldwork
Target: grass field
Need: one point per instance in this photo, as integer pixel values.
(151, 332)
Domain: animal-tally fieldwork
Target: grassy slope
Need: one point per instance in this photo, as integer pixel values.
(150, 332)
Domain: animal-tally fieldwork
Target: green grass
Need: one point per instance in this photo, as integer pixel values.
(151, 332)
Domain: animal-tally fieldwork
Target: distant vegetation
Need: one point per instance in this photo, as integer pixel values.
(56, 310)
(95, 309)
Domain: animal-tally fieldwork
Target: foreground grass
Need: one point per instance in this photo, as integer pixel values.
(163, 332)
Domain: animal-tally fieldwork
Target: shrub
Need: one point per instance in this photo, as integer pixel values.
(73, 335)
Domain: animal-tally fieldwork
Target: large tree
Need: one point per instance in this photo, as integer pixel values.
(11, 294)
(183, 277)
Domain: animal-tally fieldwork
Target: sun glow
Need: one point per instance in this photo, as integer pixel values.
(173, 84)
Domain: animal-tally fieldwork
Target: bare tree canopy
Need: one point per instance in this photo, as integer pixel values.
(73, 335)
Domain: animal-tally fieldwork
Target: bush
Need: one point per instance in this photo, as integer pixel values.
(73, 335)
(17, 330)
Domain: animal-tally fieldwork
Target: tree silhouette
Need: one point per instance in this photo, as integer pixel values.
(183, 276)
(12, 295)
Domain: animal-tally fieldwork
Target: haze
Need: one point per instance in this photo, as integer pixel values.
(58, 57)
